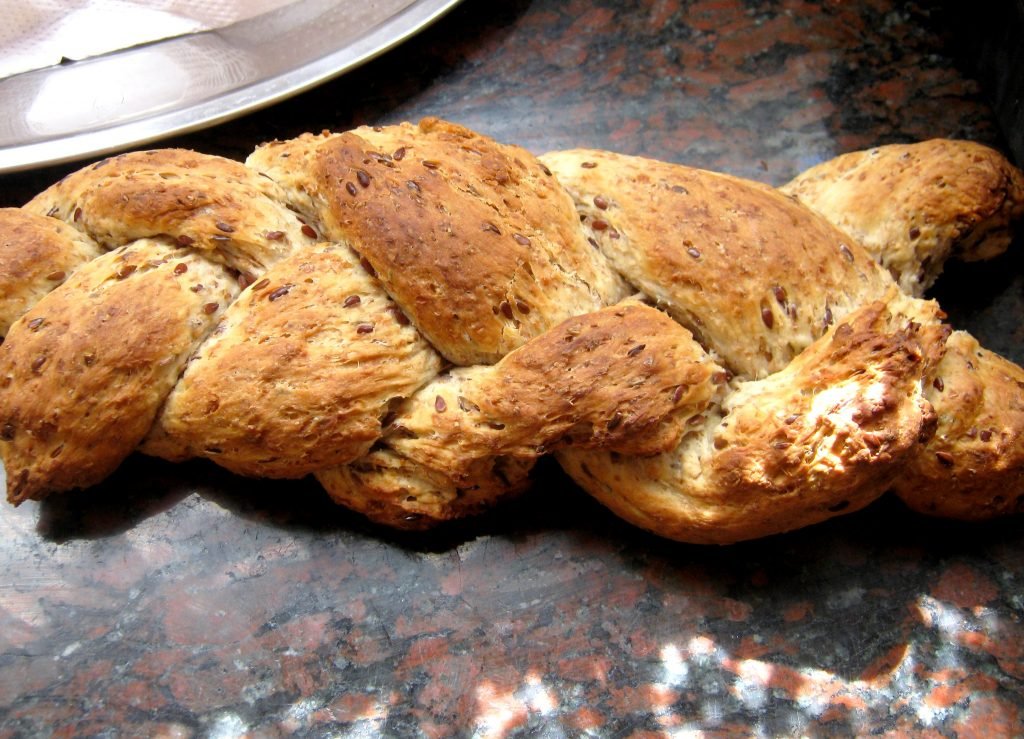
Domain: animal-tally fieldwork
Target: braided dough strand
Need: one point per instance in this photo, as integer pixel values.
(36, 255)
(625, 378)
(915, 206)
(298, 374)
(823, 436)
(85, 371)
(756, 277)
(474, 240)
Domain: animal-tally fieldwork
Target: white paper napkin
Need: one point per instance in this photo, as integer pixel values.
(40, 33)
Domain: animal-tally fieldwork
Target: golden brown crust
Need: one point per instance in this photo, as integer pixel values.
(912, 206)
(298, 374)
(973, 467)
(473, 239)
(821, 437)
(486, 253)
(625, 378)
(755, 276)
(205, 202)
(84, 372)
(36, 255)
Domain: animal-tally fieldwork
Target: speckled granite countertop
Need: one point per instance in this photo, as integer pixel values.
(182, 601)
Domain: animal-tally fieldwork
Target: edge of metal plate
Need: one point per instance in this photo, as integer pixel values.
(131, 97)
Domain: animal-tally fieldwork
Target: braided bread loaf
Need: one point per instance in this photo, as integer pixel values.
(415, 314)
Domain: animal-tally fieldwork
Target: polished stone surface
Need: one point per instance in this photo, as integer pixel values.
(183, 601)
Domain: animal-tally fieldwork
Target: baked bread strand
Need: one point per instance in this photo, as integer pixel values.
(205, 202)
(298, 374)
(755, 276)
(83, 374)
(395, 491)
(36, 255)
(973, 466)
(824, 436)
(186, 198)
(913, 206)
(941, 199)
(625, 378)
(474, 240)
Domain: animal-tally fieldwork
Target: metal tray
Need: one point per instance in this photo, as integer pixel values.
(91, 107)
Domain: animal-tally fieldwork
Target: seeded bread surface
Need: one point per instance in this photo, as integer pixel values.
(416, 313)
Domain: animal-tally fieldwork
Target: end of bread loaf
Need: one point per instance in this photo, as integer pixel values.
(914, 206)
(973, 467)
